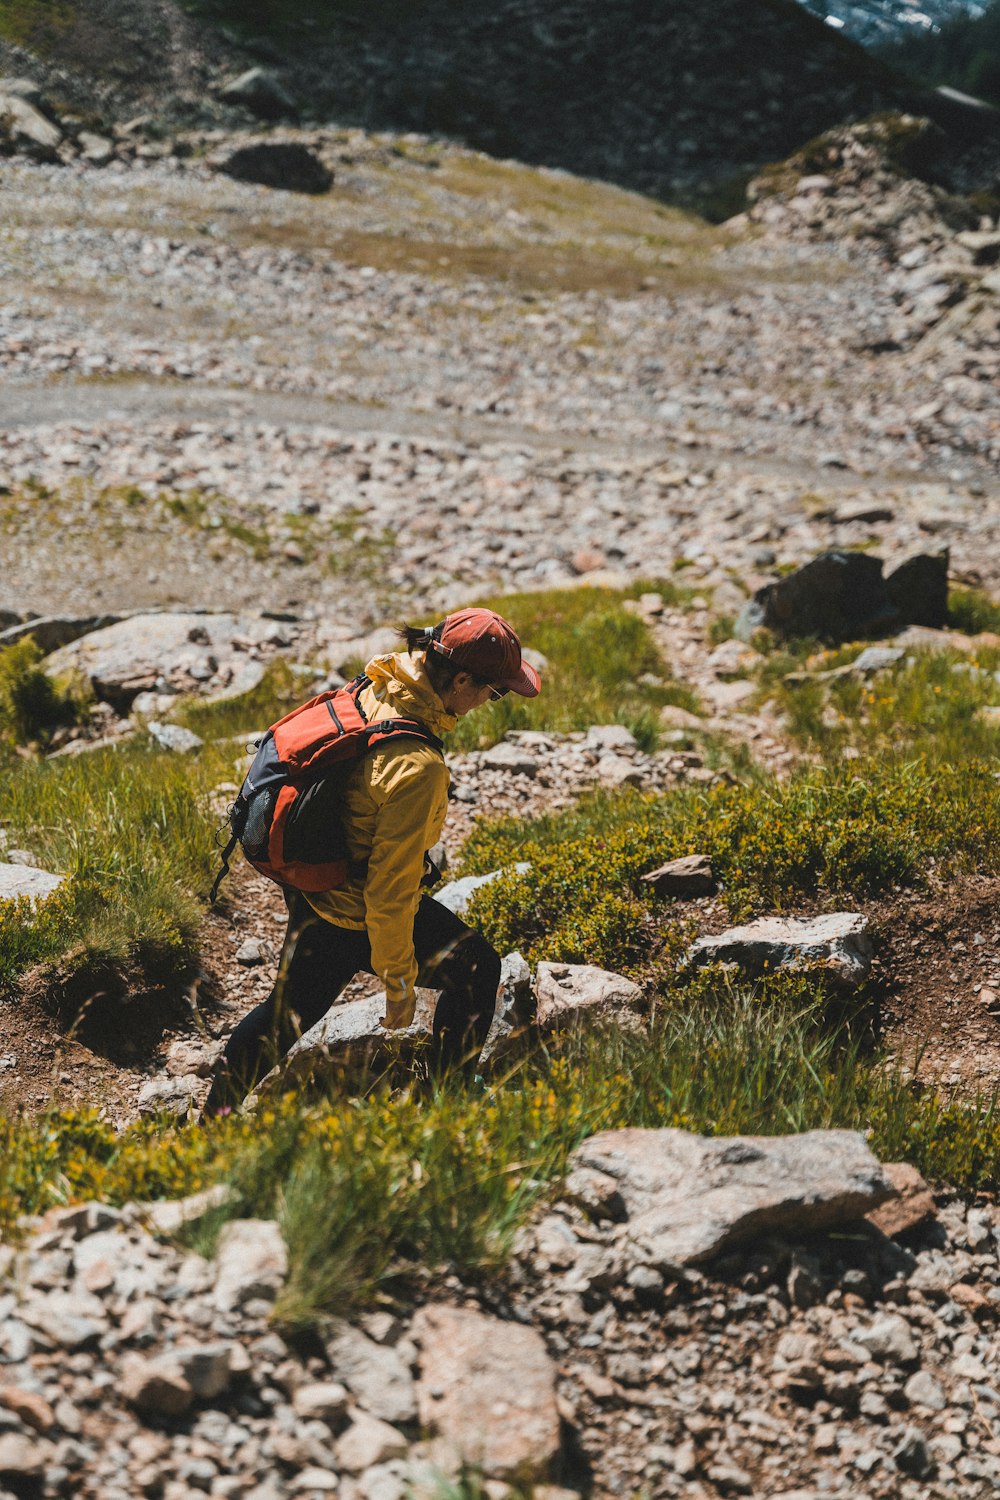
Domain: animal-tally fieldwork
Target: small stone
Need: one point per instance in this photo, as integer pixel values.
(923, 1390)
(250, 953)
(913, 1456)
(22, 1457)
(73, 1320)
(890, 1339)
(169, 1096)
(174, 737)
(825, 1438)
(205, 1367)
(913, 1204)
(251, 1262)
(32, 1408)
(615, 739)
(686, 877)
(729, 1479)
(376, 1374)
(313, 1481)
(616, 770)
(324, 1401)
(155, 1386)
(507, 757)
(368, 1441)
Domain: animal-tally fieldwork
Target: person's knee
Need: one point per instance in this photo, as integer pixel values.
(481, 962)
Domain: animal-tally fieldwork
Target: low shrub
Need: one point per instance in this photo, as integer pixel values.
(32, 704)
(851, 830)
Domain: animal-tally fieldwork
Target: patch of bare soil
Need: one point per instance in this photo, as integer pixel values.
(939, 950)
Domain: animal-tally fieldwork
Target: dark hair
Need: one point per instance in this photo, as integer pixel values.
(441, 670)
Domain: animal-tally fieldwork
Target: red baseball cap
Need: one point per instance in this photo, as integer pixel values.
(484, 644)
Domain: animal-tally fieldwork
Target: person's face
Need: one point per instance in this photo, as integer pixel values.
(466, 693)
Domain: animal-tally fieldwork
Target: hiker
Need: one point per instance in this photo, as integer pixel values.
(392, 808)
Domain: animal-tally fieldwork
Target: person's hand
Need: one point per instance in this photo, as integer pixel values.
(398, 1017)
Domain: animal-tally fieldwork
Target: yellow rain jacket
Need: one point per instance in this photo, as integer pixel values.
(394, 809)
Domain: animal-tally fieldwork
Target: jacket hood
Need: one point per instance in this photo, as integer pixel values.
(400, 681)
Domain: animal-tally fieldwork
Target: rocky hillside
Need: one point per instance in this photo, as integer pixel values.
(679, 100)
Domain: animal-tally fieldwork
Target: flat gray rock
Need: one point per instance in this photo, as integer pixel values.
(24, 880)
(841, 942)
(684, 1198)
(569, 993)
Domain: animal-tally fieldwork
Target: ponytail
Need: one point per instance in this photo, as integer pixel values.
(439, 669)
(414, 637)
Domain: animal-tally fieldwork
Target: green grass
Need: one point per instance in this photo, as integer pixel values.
(596, 650)
(449, 1178)
(35, 23)
(132, 831)
(930, 701)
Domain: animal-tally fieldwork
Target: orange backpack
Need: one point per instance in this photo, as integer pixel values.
(287, 815)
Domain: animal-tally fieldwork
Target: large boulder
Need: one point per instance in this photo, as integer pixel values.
(840, 941)
(166, 652)
(287, 165)
(486, 1394)
(570, 993)
(840, 596)
(683, 1198)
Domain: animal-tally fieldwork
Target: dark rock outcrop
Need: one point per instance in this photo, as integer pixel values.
(276, 164)
(841, 596)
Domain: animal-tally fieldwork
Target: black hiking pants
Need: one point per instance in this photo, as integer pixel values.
(319, 959)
